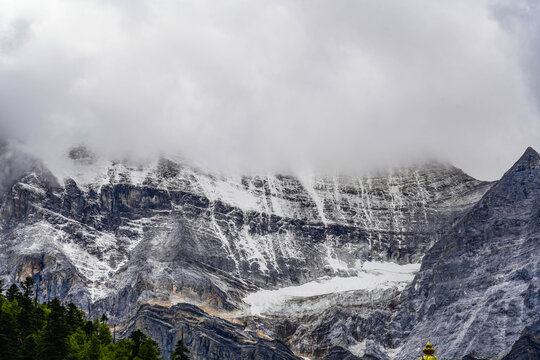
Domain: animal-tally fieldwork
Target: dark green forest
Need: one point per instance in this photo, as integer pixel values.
(33, 331)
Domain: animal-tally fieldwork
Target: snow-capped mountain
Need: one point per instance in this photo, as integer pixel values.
(311, 265)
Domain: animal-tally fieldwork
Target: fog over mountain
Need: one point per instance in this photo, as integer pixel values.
(274, 85)
(271, 179)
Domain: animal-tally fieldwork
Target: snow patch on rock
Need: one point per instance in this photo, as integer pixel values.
(372, 275)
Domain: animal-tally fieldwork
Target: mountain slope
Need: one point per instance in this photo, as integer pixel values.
(207, 337)
(114, 235)
(115, 226)
(479, 286)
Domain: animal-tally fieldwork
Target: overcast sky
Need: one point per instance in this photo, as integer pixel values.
(266, 85)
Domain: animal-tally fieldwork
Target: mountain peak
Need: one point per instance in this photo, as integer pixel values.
(530, 152)
(528, 161)
(519, 183)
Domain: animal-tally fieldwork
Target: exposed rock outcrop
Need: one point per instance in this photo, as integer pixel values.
(207, 337)
(137, 241)
(479, 286)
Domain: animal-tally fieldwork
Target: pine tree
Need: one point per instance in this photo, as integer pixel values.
(28, 349)
(122, 350)
(26, 319)
(180, 351)
(76, 318)
(93, 351)
(28, 287)
(9, 334)
(149, 350)
(104, 334)
(89, 328)
(53, 344)
(137, 337)
(13, 293)
(143, 347)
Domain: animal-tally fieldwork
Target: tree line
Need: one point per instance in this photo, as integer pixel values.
(34, 331)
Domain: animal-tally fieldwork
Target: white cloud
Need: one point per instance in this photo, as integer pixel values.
(270, 84)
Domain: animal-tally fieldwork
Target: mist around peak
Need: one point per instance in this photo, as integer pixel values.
(275, 86)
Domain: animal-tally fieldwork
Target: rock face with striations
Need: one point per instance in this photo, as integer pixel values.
(527, 347)
(206, 336)
(479, 285)
(120, 233)
(141, 241)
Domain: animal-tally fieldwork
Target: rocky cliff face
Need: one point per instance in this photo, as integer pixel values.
(206, 336)
(179, 227)
(478, 287)
(527, 347)
(114, 235)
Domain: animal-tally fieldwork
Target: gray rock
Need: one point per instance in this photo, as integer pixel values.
(119, 237)
(207, 337)
(478, 286)
(527, 347)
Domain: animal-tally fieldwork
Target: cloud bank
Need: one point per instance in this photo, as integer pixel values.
(274, 85)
